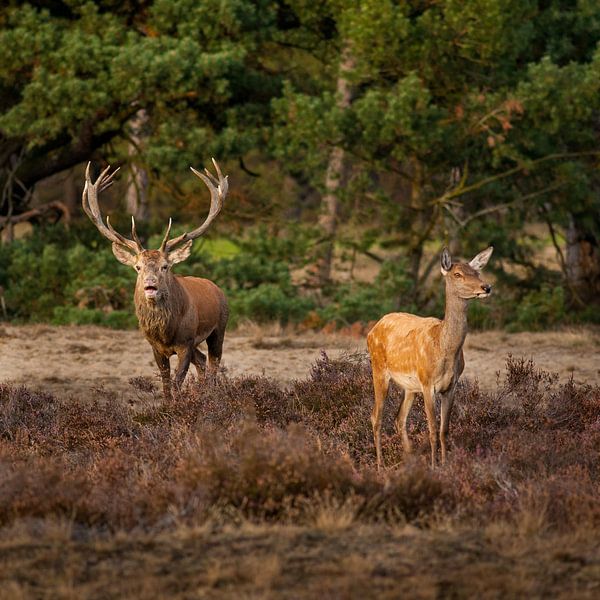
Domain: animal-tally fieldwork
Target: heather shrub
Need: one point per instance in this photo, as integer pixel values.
(250, 447)
(47, 425)
(39, 488)
(225, 401)
(336, 401)
(264, 472)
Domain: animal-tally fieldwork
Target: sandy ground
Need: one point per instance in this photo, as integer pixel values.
(75, 359)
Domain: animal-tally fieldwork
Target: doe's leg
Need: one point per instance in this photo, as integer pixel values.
(401, 417)
(381, 382)
(446, 410)
(429, 401)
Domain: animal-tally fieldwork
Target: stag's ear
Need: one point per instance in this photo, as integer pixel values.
(180, 253)
(481, 259)
(446, 262)
(123, 255)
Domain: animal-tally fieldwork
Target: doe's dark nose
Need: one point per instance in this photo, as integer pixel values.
(486, 287)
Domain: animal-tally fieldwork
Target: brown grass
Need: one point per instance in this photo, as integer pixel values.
(74, 359)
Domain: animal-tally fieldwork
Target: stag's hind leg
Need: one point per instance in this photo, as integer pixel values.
(215, 350)
(401, 417)
(199, 361)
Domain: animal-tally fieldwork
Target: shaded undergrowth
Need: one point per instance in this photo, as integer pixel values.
(249, 448)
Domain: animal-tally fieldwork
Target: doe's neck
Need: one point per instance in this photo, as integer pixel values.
(454, 324)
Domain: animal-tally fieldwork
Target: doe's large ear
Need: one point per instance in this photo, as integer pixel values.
(481, 259)
(446, 262)
(123, 255)
(180, 253)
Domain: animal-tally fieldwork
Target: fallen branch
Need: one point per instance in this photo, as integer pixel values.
(55, 205)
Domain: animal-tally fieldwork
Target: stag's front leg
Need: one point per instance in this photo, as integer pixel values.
(184, 357)
(165, 372)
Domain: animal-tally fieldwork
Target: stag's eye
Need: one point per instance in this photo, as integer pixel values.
(137, 268)
(458, 275)
(164, 268)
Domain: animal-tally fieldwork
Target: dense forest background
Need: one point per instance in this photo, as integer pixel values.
(359, 138)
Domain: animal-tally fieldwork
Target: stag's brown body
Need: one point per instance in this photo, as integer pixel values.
(194, 310)
(188, 311)
(175, 313)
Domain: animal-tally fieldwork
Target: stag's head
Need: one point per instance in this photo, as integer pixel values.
(464, 279)
(153, 267)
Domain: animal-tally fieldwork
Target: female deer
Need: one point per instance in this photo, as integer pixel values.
(424, 354)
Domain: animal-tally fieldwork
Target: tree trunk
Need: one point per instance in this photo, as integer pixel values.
(582, 264)
(420, 225)
(137, 180)
(334, 179)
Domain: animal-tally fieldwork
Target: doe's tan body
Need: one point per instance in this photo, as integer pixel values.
(425, 354)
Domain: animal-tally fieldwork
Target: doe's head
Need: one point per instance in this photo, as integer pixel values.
(464, 279)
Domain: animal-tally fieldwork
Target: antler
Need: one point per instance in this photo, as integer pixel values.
(89, 201)
(218, 187)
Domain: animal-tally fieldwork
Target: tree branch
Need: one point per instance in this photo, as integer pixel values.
(462, 189)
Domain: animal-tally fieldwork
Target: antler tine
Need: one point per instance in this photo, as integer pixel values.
(108, 181)
(163, 244)
(219, 174)
(134, 234)
(89, 201)
(218, 187)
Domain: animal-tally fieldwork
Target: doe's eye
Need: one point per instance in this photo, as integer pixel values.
(457, 274)
(137, 268)
(164, 268)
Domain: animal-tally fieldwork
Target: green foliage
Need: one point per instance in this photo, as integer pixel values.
(269, 302)
(77, 282)
(540, 309)
(258, 279)
(469, 119)
(362, 302)
(62, 280)
(356, 303)
(73, 74)
(71, 315)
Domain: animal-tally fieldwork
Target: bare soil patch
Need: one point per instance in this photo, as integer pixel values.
(76, 359)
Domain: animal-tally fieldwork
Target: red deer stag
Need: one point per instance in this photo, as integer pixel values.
(425, 354)
(175, 313)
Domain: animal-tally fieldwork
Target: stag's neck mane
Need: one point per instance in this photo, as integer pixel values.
(158, 319)
(454, 323)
